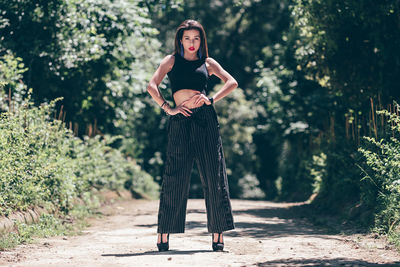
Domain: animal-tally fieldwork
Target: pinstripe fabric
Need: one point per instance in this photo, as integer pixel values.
(194, 138)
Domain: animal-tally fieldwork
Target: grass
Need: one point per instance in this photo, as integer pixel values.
(49, 225)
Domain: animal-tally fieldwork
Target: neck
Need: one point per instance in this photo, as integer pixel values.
(190, 57)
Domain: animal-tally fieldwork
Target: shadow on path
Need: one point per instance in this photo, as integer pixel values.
(154, 252)
(322, 262)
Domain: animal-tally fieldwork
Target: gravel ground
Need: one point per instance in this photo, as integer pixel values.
(266, 234)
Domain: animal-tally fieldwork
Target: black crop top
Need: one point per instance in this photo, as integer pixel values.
(188, 74)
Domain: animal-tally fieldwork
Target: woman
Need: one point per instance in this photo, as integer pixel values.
(193, 134)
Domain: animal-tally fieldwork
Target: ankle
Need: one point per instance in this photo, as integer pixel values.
(217, 237)
(162, 238)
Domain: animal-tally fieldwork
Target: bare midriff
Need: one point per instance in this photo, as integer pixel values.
(185, 94)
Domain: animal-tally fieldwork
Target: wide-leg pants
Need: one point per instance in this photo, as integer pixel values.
(194, 138)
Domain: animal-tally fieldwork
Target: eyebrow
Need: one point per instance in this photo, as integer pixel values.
(189, 36)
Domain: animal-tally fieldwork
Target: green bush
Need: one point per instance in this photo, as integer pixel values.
(43, 163)
(381, 170)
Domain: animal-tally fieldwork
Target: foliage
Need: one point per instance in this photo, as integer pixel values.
(349, 50)
(294, 111)
(250, 188)
(318, 171)
(315, 83)
(11, 70)
(43, 162)
(340, 186)
(351, 47)
(97, 55)
(381, 170)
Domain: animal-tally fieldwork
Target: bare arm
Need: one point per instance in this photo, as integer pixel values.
(214, 68)
(230, 82)
(165, 66)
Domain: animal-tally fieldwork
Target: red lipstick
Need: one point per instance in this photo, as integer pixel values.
(191, 48)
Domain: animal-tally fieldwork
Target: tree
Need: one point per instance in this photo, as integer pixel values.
(92, 53)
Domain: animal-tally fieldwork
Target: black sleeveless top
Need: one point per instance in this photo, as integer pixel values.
(188, 74)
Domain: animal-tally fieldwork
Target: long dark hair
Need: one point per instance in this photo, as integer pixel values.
(191, 24)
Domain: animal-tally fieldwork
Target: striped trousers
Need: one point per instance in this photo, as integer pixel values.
(194, 138)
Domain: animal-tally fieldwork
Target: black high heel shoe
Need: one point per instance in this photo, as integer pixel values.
(217, 246)
(163, 246)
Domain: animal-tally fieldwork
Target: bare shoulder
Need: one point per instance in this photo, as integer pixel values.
(212, 65)
(168, 62)
(214, 68)
(211, 61)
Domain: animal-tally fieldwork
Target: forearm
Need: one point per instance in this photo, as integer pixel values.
(228, 87)
(155, 93)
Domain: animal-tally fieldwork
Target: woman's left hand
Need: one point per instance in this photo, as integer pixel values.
(201, 99)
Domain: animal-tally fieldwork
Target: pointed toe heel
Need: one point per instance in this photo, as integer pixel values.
(217, 246)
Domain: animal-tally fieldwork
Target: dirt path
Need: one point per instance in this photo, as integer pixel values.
(266, 234)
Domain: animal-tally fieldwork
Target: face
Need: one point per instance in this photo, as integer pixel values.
(191, 41)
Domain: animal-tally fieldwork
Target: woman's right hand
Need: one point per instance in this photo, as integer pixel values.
(181, 108)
